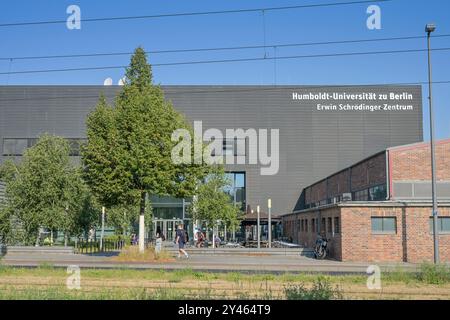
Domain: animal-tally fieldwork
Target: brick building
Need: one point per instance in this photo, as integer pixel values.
(380, 208)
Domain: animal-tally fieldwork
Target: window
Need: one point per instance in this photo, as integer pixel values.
(323, 225)
(337, 227)
(384, 225)
(361, 195)
(302, 225)
(443, 225)
(236, 189)
(378, 193)
(306, 225)
(17, 147)
(14, 147)
(230, 147)
(329, 225)
(313, 225)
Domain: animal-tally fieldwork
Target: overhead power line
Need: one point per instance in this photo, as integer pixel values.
(328, 55)
(185, 14)
(275, 45)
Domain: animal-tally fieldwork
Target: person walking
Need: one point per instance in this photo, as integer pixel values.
(200, 239)
(159, 240)
(181, 241)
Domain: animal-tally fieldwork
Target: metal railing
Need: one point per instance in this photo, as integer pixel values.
(93, 246)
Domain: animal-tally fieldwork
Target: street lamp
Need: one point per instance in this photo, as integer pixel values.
(102, 234)
(429, 28)
(269, 222)
(258, 218)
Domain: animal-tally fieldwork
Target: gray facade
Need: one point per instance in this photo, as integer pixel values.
(315, 141)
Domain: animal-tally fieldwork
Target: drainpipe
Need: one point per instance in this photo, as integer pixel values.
(388, 177)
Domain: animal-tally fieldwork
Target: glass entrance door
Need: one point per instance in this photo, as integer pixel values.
(167, 226)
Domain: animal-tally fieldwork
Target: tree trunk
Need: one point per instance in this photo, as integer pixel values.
(65, 239)
(213, 237)
(38, 238)
(142, 224)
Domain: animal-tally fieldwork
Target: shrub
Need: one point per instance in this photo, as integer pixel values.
(434, 274)
(132, 254)
(320, 290)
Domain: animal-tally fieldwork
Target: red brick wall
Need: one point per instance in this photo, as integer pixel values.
(419, 240)
(319, 191)
(308, 238)
(414, 163)
(358, 242)
(369, 173)
(412, 241)
(339, 184)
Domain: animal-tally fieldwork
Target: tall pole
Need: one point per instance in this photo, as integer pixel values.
(269, 222)
(429, 30)
(103, 229)
(257, 227)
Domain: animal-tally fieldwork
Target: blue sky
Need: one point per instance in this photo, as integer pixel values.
(399, 18)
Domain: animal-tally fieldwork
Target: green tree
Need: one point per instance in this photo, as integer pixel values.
(128, 154)
(212, 204)
(124, 218)
(43, 190)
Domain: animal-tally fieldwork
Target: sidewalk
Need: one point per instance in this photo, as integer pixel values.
(203, 261)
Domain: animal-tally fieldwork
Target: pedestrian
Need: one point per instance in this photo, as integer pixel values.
(217, 241)
(181, 241)
(200, 238)
(159, 240)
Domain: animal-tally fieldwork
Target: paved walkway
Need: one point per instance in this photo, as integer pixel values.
(253, 263)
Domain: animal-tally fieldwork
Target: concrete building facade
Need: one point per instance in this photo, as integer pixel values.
(315, 138)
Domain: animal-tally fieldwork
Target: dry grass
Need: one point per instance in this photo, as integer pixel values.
(132, 254)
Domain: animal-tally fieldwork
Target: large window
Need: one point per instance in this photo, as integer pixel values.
(384, 225)
(443, 225)
(14, 147)
(17, 146)
(232, 147)
(236, 189)
(362, 195)
(378, 193)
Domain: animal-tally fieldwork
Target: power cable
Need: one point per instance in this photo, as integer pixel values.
(178, 63)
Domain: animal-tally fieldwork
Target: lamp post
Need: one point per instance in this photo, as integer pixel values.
(269, 222)
(257, 228)
(429, 28)
(102, 234)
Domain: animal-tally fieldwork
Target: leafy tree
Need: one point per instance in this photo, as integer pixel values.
(124, 218)
(43, 190)
(212, 204)
(128, 154)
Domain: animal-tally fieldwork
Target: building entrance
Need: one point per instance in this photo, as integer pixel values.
(167, 226)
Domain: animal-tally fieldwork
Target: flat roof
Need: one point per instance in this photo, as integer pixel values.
(372, 204)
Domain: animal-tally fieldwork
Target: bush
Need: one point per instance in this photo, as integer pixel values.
(117, 238)
(320, 290)
(132, 254)
(434, 274)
